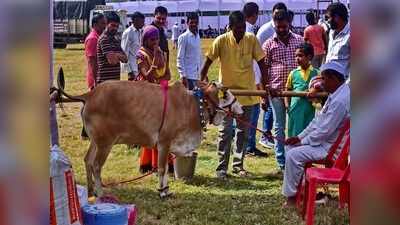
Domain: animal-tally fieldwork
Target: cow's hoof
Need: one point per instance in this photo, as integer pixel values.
(165, 195)
(164, 192)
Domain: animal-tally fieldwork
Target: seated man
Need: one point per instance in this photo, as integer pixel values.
(314, 142)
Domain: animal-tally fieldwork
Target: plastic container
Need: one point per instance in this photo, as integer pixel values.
(185, 167)
(104, 214)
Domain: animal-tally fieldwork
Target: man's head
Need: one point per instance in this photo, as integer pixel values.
(310, 17)
(279, 6)
(282, 23)
(113, 22)
(138, 20)
(99, 22)
(237, 24)
(160, 16)
(304, 54)
(250, 11)
(337, 15)
(332, 76)
(193, 22)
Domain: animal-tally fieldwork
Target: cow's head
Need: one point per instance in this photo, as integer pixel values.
(219, 100)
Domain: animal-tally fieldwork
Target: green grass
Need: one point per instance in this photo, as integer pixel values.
(205, 200)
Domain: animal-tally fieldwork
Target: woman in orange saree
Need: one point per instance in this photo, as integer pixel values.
(153, 68)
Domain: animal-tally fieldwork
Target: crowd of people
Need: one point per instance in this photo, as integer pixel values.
(271, 57)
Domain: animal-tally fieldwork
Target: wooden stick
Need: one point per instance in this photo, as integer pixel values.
(262, 93)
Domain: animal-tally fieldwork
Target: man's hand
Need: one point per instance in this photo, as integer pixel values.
(292, 140)
(185, 81)
(112, 58)
(264, 104)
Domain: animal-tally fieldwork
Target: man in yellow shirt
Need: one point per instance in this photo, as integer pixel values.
(236, 51)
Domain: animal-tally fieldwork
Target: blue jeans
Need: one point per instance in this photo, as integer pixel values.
(191, 84)
(278, 109)
(255, 113)
(268, 119)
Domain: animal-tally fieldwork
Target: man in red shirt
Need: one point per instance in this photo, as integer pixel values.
(98, 26)
(316, 36)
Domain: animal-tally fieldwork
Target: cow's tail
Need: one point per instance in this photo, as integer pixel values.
(61, 85)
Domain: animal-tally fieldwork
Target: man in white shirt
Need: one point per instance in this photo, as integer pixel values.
(175, 34)
(130, 44)
(250, 11)
(339, 36)
(189, 56)
(314, 142)
(265, 32)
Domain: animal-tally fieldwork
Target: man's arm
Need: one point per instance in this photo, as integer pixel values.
(180, 58)
(204, 70)
(329, 123)
(325, 39)
(93, 66)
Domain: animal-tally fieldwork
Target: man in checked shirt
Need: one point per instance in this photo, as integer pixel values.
(280, 60)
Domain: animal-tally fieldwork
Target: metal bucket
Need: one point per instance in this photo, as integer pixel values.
(185, 166)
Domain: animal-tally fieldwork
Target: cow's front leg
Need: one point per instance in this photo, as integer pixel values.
(162, 172)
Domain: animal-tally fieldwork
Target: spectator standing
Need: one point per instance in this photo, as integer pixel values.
(315, 35)
(160, 21)
(131, 42)
(280, 60)
(339, 36)
(236, 51)
(175, 35)
(250, 11)
(98, 26)
(265, 32)
(109, 51)
(189, 56)
(300, 109)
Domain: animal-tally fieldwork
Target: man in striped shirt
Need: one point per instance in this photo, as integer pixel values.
(109, 51)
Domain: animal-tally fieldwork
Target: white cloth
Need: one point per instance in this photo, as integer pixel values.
(130, 44)
(265, 32)
(324, 128)
(339, 48)
(189, 56)
(257, 76)
(175, 32)
(316, 139)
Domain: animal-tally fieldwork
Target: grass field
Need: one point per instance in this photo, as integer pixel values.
(205, 200)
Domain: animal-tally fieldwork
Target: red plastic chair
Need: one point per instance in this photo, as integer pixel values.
(338, 174)
(328, 162)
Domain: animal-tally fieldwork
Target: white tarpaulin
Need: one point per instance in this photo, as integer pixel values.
(214, 12)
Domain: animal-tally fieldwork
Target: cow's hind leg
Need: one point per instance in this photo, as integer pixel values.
(89, 159)
(162, 172)
(102, 152)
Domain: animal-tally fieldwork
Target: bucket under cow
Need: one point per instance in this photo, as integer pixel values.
(185, 166)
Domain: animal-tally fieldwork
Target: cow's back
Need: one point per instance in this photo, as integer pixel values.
(128, 112)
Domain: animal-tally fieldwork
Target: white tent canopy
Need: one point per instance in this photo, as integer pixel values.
(177, 8)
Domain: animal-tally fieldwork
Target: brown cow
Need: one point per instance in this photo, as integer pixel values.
(125, 112)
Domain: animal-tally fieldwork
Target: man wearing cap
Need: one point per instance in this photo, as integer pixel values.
(314, 142)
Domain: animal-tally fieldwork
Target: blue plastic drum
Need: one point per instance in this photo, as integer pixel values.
(104, 214)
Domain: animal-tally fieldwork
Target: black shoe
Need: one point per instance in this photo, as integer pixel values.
(259, 153)
(250, 151)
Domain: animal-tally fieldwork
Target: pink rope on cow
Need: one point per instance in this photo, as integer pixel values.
(164, 89)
